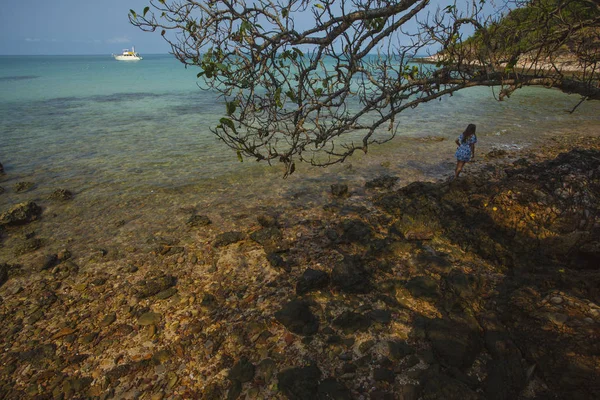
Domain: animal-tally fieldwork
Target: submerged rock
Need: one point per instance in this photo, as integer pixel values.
(297, 318)
(21, 187)
(199, 220)
(350, 276)
(312, 280)
(383, 182)
(227, 238)
(339, 190)
(21, 214)
(61, 195)
(300, 383)
(3, 274)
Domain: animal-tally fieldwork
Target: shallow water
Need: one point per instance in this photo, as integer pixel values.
(132, 141)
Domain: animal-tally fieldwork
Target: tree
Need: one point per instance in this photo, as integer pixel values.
(319, 93)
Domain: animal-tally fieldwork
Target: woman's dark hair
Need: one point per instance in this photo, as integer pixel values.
(469, 131)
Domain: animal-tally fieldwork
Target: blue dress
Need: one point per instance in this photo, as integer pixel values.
(463, 153)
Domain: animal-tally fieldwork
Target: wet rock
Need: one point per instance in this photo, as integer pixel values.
(149, 318)
(49, 261)
(21, 214)
(506, 376)
(270, 238)
(235, 390)
(460, 284)
(277, 261)
(350, 322)
(227, 238)
(242, 371)
(21, 187)
(28, 246)
(265, 369)
(3, 273)
(199, 220)
(161, 356)
(165, 294)
(383, 182)
(333, 389)
(312, 280)
(397, 350)
(496, 153)
(455, 344)
(1, 190)
(300, 383)
(1, 169)
(384, 374)
(61, 195)
(349, 275)
(153, 285)
(108, 320)
(438, 386)
(339, 190)
(267, 221)
(297, 318)
(381, 316)
(381, 395)
(432, 262)
(557, 318)
(356, 230)
(423, 286)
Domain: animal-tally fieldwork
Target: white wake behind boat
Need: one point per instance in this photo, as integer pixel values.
(128, 55)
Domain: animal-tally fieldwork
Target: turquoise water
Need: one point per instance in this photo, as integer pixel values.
(134, 137)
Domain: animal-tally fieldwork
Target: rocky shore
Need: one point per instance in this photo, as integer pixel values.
(487, 287)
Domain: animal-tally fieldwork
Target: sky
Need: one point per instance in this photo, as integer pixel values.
(44, 27)
(48, 27)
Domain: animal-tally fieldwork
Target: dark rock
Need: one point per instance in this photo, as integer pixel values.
(506, 376)
(277, 261)
(460, 284)
(50, 261)
(61, 195)
(312, 280)
(300, 383)
(199, 220)
(3, 273)
(227, 238)
(1, 190)
(351, 322)
(21, 214)
(381, 395)
(339, 190)
(267, 221)
(297, 318)
(161, 356)
(235, 390)
(383, 182)
(431, 262)
(108, 320)
(398, 350)
(151, 286)
(384, 374)
(350, 276)
(21, 187)
(165, 294)
(419, 234)
(1, 168)
(28, 246)
(331, 388)
(455, 344)
(438, 386)
(381, 316)
(356, 230)
(423, 286)
(270, 238)
(496, 153)
(242, 371)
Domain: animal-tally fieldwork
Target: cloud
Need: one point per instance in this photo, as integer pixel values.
(32, 40)
(122, 39)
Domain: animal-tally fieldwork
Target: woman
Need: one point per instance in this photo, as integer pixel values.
(466, 148)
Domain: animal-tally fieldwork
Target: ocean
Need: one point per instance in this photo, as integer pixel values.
(132, 141)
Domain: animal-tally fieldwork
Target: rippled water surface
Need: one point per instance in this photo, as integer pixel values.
(132, 141)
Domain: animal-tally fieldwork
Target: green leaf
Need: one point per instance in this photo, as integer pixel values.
(291, 95)
(133, 13)
(146, 9)
(231, 107)
(320, 6)
(239, 156)
(229, 123)
(285, 13)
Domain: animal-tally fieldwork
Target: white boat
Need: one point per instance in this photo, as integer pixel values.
(128, 55)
